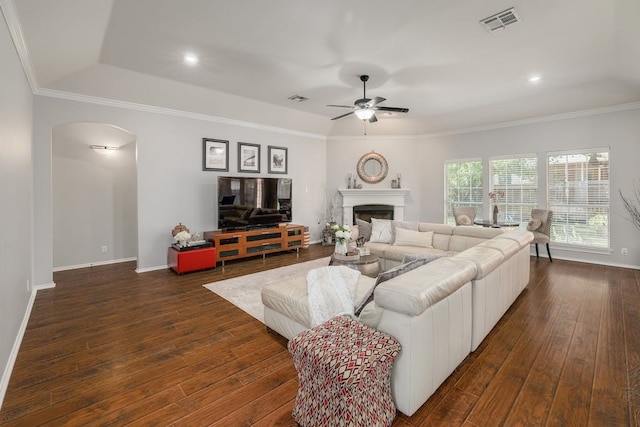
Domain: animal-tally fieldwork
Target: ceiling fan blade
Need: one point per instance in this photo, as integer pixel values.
(344, 115)
(394, 109)
(373, 119)
(375, 101)
(361, 103)
(341, 106)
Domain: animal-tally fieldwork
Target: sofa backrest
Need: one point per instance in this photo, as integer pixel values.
(465, 237)
(441, 234)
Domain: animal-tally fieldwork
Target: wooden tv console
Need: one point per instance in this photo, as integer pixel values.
(236, 244)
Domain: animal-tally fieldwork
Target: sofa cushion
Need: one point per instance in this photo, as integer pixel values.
(463, 220)
(415, 291)
(413, 238)
(397, 253)
(381, 231)
(387, 275)
(485, 259)
(441, 234)
(405, 225)
(523, 237)
(377, 248)
(466, 237)
(508, 247)
(534, 224)
(291, 298)
(364, 229)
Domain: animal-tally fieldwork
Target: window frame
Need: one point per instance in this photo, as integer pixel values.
(514, 211)
(448, 204)
(563, 210)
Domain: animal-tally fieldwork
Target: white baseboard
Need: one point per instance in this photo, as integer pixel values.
(8, 369)
(93, 264)
(148, 269)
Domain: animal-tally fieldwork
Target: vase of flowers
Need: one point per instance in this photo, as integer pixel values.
(342, 234)
(493, 196)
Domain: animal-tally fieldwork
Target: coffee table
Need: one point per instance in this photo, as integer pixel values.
(369, 265)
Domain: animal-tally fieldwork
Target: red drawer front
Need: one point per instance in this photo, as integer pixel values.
(193, 260)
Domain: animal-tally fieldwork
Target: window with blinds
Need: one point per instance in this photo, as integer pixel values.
(578, 194)
(514, 180)
(463, 187)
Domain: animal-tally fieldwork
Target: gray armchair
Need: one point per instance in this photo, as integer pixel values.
(468, 211)
(541, 234)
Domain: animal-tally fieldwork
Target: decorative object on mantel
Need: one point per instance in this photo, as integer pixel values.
(342, 234)
(351, 180)
(394, 183)
(372, 167)
(399, 176)
(493, 195)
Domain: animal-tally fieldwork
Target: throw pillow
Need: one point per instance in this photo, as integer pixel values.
(407, 225)
(422, 239)
(428, 257)
(364, 229)
(534, 224)
(383, 277)
(380, 230)
(463, 220)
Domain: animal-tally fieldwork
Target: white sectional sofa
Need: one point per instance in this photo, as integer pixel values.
(439, 312)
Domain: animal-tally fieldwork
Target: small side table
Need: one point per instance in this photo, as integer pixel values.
(369, 265)
(344, 374)
(191, 260)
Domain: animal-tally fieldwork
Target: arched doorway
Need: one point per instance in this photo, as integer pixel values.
(94, 195)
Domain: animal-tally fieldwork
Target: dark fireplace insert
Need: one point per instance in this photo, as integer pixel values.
(366, 212)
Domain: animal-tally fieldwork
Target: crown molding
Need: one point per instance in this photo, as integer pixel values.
(541, 119)
(13, 23)
(372, 137)
(52, 93)
(509, 124)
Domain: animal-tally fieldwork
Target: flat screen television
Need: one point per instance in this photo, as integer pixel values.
(252, 202)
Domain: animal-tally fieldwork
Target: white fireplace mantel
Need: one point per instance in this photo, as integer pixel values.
(373, 196)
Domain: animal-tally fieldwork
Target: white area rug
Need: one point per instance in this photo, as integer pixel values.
(244, 291)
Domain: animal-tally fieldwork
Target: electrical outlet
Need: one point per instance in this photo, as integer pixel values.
(104, 249)
(624, 251)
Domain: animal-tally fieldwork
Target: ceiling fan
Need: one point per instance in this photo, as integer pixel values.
(365, 108)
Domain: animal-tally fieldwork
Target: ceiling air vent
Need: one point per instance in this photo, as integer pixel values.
(297, 98)
(500, 20)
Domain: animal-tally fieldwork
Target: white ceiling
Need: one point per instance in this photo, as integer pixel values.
(432, 57)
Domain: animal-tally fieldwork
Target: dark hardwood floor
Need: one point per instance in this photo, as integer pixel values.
(108, 346)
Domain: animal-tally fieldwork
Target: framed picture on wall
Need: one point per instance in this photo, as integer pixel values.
(277, 159)
(215, 155)
(248, 157)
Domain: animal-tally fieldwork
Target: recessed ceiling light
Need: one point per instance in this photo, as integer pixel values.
(534, 79)
(190, 58)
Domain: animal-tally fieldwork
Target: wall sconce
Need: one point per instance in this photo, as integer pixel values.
(104, 149)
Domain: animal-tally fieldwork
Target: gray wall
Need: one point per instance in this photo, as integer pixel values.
(421, 162)
(15, 192)
(171, 186)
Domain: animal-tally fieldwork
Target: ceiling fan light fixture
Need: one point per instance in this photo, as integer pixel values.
(364, 113)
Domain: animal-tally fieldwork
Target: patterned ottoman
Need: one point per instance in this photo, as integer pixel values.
(344, 374)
